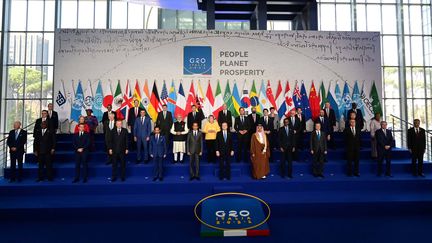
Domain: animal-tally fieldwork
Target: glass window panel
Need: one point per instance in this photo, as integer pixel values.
(17, 49)
(1, 14)
(373, 17)
(200, 20)
(327, 19)
(151, 17)
(85, 14)
(410, 111)
(407, 50)
(49, 15)
(373, 1)
(119, 15)
(408, 82)
(35, 48)
(406, 21)
(391, 82)
(427, 43)
(33, 81)
(35, 15)
(47, 81)
(18, 13)
(418, 82)
(415, 20)
(48, 52)
(388, 1)
(417, 50)
(392, 107)
(220, 25)
(69, 14)
(14, 109)
(389, 19)
(426, 20)
(100, 14)
(390, 50)
(136, 16)
(428, 77)
(429, 116)
(32, 111)
(361, 17)
(419, 110)
(184, 19)
(15, 82)
(169, 19)
(343, 17)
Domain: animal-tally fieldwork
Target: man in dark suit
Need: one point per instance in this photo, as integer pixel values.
(359, 115)
(108, 127)
(359, 123)
(16, 141)
(384, 139)
(194, 145)
(118, 148)
(242, 128)
(134, 113)
(164, 121)
(106, 114)
(38, 124)
(81, 144)
(268, 125)
(195, 116)
(142, 132)
(158, 152)
(352, 146)
(325, 123)
(417, 146)
(302, 129)
(254, 119)
(225, 116)
(287, 147)
(331, 117)
(53, 117)
(318, 149)
(224, 151)
(295, 126)
(44, 148)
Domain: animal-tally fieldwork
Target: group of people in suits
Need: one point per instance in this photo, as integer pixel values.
(257, 138)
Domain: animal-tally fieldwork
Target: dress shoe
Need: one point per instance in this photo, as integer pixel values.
(191, 178)
(357, 175)
(113, 179)
(85, 180)
(422, 175)
(11, 180)
(50, 179)
(389, 175)
(198, 178)
(39, 180)
(289, 177)
(321, 176)
(19, 180)
(161, 179)
(75, 180)
(155, 179)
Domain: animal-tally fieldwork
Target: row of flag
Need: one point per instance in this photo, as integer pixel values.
(284, 99)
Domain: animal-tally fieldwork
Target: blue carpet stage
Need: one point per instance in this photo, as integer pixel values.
(305, 209)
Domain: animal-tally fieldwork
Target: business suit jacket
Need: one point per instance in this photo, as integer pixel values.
(194, 144)
(296, 126)
(38, 126)
(318, 145)
(325, 124)
(44, 144)
(302, 122)
(352, 142)
(359, 117)
(81, 142)
(383, 140)
(164, 124)
(225, 118)
(238, 125)
(253, 124)
(286, 141)
(199, 116)
(269, 126)
(417, 143)
(132, 116)
(119, 143)
(106, 118)
(54, 119)
(18, 143)
(158, 147)
(223, 147)
(142, 130)
(331, 116)
(107, 131)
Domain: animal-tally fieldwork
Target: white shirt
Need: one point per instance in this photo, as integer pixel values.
(43, 131)
(111, 124)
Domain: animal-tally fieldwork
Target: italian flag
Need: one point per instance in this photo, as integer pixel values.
(218, 104)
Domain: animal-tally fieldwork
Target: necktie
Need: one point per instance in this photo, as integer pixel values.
(118, 131)
(242, 119)
(225, 136)
(266, 120)
(286, 130)
(43, 132)
(111, 125)
(142, 120)
(322, 120)
(319, 135)
(157, 138)
(194, 115)
(353, 130)
(136, 112)
(80, 134)
(224, 113)
(417, 131)
(50, 114)
(384, 131)
(16, 134)
(292, 120)
(195, 134)
(327, 112)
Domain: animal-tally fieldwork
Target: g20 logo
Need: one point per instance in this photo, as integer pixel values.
(197, 60)
(232, 213)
